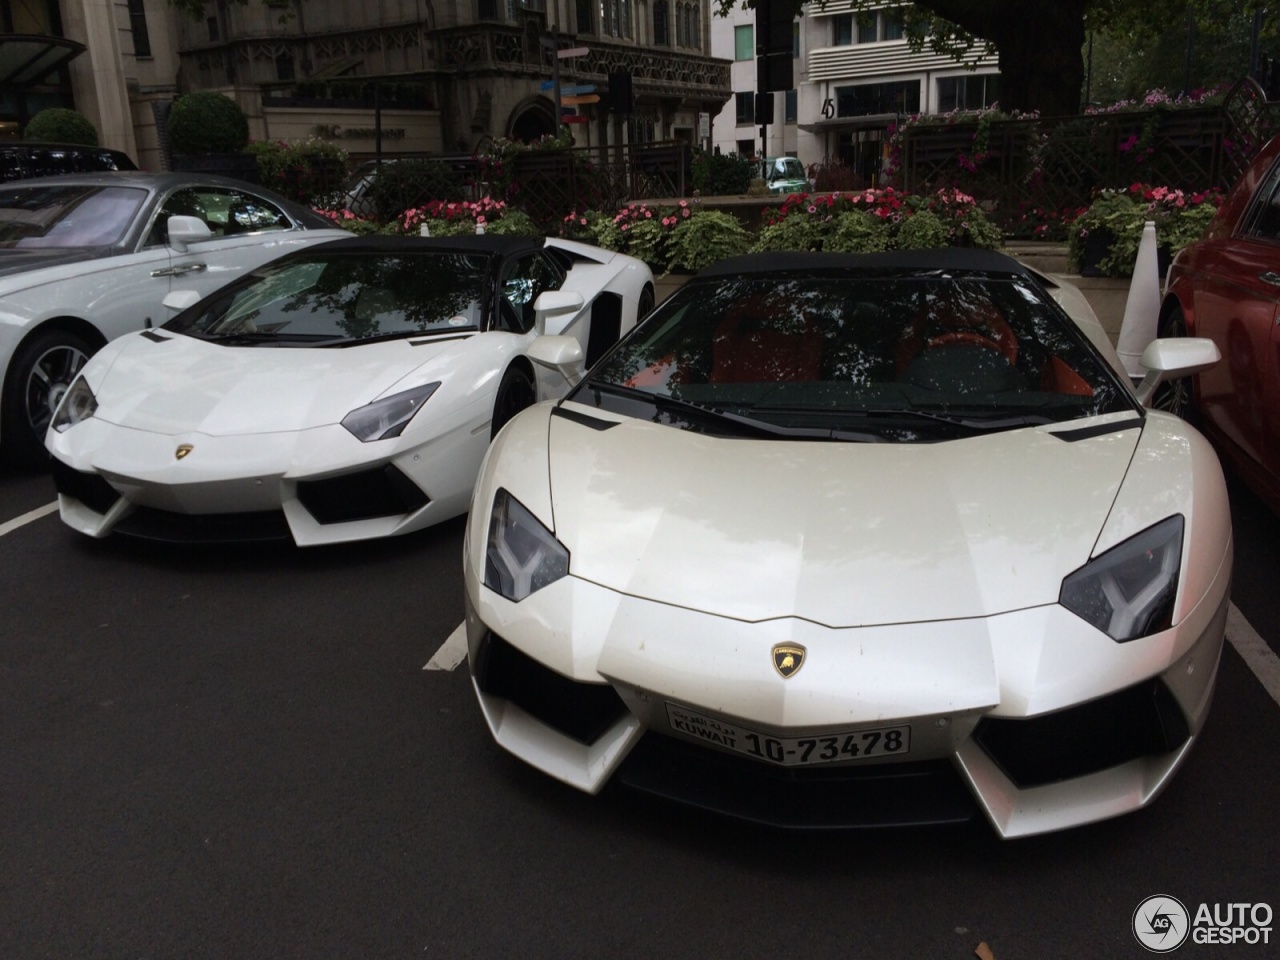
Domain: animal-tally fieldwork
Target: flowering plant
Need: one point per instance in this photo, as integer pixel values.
(453, 217)
(1113, 224)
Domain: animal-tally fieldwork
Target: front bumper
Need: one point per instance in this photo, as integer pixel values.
(315, 486)
(577, 678)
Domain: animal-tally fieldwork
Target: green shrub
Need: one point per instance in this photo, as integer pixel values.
(704, 237)
(720, 174)
(514, 223)
(923, 230)
(207, 122)
(59, 125)
(311, 171)
(857, 231)
(798, 231)
(405, 184)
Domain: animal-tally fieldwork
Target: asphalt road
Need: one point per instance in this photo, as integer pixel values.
(236, 753)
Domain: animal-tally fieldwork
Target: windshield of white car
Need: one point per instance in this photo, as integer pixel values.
(331, 299)
(910, 356)
(68, 216)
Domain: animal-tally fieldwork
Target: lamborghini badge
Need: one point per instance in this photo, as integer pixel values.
(787, 659)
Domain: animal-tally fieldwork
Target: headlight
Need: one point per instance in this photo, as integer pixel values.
(522, 556)
(387, 417)
(1128, 592)
(77, 404)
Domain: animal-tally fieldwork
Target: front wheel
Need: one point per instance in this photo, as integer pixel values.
(1174, 396)
(39, 375)
(515, 393)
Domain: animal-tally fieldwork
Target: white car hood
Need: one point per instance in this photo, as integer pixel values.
(184, 385)
(841, 534)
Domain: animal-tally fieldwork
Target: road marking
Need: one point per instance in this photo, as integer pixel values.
(11, 525)
(1259, 657)
(452, 652)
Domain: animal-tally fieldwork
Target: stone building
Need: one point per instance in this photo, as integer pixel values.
(449, 74)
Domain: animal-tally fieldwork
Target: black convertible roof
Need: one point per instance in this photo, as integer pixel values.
(948, 258)
(505, 246)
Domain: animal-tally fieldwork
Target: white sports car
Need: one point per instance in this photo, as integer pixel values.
(85, 258)
(839, 540)
(344, 392)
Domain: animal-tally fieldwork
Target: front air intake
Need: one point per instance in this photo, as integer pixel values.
(381, 492)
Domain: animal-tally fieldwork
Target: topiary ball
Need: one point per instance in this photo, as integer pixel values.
(59, 125)
(207, 122)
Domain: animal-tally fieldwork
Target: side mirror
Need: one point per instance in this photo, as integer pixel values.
(554, 310)
(180, 299)
(1174, 357)
(563, 354)
(187, 230)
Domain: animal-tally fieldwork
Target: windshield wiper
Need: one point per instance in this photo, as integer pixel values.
(717, 415)
(401, 335)
(970, 421)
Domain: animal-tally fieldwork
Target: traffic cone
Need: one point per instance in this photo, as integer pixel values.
(1142, 310)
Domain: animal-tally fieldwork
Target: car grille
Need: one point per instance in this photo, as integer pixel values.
(818, 797)
(381, 492)
(1140, 721)
(89, 488)
(582, 711)
(146, 523)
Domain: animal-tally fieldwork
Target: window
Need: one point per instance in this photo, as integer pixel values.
(524, 281)
(892, 24)
(795, 40)
(745, 107)
(214, 33)
(226, 212)
(867, 99)
(744, 44)
(842, 30)
(867, 28)
(967, 92)
(790, 107)
(624, 18)
(585, 23)
(661, 31)
(746, 148)
(284, 66)
(487, 9)
(138, 27)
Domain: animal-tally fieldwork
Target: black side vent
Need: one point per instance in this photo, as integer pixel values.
(1140, 721)
(381, 492)
(583, 711)
(89, 488)
(146, 523)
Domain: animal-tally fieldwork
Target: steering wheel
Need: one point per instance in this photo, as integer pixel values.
(971, 338)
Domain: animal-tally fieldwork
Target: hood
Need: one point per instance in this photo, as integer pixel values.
(182, 385)
(841, 534)
(24, 261)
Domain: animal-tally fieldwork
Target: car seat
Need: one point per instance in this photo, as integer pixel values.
(766, 339)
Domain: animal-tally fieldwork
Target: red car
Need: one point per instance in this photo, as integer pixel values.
(1226, 286)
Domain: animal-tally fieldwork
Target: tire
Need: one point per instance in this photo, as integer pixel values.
(1174, 396)
(516, 392)
(645, 305)
(38, 376)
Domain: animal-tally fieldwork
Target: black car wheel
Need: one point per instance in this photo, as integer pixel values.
(39, 375)
(646, 303)
(515, 393)
(1173, 396)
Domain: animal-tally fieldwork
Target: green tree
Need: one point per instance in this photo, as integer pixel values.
(1039, 44)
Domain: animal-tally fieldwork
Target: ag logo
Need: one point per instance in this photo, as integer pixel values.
(183, 450)
(1161, 924)
(787, 659)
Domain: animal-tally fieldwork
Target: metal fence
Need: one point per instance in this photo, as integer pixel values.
(1057, 163)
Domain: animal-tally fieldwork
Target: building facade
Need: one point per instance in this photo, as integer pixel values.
(855, 76)
(449, 75)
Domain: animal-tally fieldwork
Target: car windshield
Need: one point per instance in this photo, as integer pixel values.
(345, 297)
(900, 357)
(67, 215)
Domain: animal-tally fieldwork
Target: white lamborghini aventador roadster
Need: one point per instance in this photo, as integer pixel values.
(344, 392)
(841, 540)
